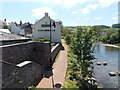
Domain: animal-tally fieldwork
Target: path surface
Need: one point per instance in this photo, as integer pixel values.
(58, 71)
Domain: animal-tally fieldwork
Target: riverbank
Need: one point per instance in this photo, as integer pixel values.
(111, 45)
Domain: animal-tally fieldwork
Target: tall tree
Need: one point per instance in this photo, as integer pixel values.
(82, 47)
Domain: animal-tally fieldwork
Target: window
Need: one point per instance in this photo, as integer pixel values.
(46, 30)
(45, 25)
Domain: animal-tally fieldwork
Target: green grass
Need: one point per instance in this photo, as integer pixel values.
(31, 88)
(117, 44)
(69, 84)
(43, 40)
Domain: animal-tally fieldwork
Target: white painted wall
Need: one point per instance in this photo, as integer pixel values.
(56, 35)
(5, 30)
(2, 23)
(16, 30)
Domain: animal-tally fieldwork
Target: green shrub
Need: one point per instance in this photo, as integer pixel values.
(70, 84)
(68, 38)
(43, 40)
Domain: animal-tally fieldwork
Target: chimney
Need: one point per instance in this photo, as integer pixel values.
(46, 14)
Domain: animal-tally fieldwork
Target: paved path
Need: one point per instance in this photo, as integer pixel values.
(58, 71)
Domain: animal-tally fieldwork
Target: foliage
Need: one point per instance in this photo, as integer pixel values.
(65, 31)
(68, 38)
(80, 56)
(31, 88)
(102, 26)
(96, 31)
(69, 84)
(43, 40)
(114, 38)
(107, 35)
(81, 47)
(111, 37)
(5, 27)
(116, 25)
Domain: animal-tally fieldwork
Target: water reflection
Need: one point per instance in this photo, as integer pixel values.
(101, 73)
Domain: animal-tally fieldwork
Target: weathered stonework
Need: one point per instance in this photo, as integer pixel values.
(30, 74)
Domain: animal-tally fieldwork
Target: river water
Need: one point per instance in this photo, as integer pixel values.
(101, 73)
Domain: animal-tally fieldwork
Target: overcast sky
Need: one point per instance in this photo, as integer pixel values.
(70, 12)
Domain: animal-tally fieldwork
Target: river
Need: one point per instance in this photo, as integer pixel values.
(101, 73)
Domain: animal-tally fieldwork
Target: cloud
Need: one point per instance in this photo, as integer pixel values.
(93, 6)
(87, 18)
(85, 10)
(71, 3)
(106, 3)
(39, 12)
(114, 18)
(99, 18)
(75, 12)
(68, 3)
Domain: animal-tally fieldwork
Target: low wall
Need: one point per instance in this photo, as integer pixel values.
(55, 50)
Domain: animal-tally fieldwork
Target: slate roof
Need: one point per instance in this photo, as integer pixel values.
(8, 36)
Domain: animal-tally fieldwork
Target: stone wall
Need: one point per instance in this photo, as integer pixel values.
(15, 77)
(41, 53)
(30, 74)
(16, 53)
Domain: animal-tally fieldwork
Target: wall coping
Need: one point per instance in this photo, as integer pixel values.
(54, 47)
(15, 44)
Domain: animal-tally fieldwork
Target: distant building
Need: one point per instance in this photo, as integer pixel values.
(41, 29)
(2, 23)
(27, 28)
(14, 28)
(21, 29)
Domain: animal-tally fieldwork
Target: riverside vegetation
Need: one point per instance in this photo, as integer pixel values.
(109, 35)
(80, 44)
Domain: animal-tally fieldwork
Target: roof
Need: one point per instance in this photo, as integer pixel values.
(5, 30)
(57, 20)
(43, 18)
(9, 37)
